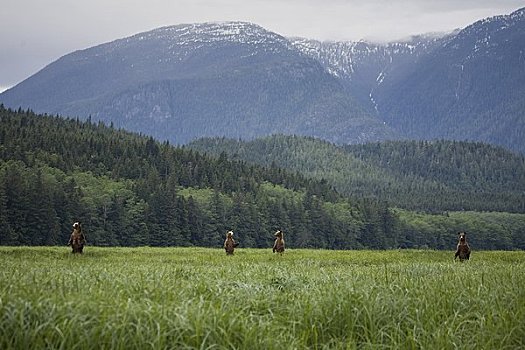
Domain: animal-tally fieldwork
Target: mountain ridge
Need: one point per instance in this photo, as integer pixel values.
(237, 79)
(466, 85)
(187, 81)
(470, 88)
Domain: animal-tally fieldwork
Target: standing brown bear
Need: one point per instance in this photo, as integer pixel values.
(77, 239)
(463, 249)
(229, 243)
(278, 246)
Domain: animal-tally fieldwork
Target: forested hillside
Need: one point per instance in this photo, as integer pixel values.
(131, 190)
(430, 176)
(449, 175)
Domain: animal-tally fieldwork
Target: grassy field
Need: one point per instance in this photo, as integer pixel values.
(196, 298)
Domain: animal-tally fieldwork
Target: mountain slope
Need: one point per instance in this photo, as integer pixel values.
(214, 79)
(470, 88)
(430, 176)
(239, 80)
(368, 68)
(465, 85)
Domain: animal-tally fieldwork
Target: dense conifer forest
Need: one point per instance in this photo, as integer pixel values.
(428, 176)
(130, 190)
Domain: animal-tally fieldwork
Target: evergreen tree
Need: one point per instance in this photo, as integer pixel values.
(17, 202)
(130, 190)
(7, 236)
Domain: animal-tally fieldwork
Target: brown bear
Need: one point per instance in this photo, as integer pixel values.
(77, 239)
(229, 243)
(463, 249)
(278, 246)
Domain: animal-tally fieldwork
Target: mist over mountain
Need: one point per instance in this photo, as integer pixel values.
(239, 80)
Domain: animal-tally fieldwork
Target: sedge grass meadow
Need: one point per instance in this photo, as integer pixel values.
(199, 298)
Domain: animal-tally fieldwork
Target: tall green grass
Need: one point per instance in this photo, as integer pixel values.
(196, 298)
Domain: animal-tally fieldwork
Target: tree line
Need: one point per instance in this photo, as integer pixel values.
(131, 190)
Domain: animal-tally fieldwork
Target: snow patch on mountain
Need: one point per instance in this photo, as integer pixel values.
(484, 34)
(368, 65)
(343, 59)
(216, 32)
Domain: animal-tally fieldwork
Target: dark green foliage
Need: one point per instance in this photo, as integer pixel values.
(448, 175)
(418, 175)
(431, 177)
(484, 230)
(131, 190)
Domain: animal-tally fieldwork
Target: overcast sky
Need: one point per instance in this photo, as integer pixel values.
(34, 33)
